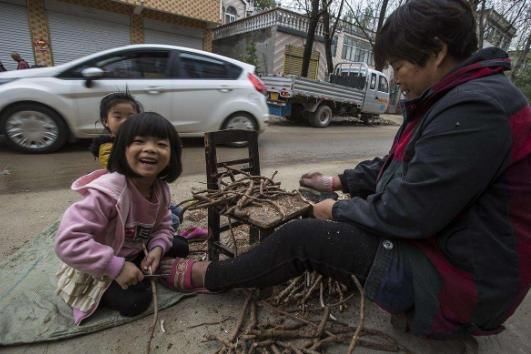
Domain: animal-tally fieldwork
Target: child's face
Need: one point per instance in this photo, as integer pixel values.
(148, 156)
(117, 115)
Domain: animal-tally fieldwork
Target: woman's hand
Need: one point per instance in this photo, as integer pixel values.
(323, 209)
(129, 275)
(317, 181)
(152, 260)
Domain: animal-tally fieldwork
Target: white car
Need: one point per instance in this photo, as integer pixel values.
(41, 109)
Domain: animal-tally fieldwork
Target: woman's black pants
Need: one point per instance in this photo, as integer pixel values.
(334, 249)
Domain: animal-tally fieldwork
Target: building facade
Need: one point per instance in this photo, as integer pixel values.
(274, 40)
(51, 32)
(497, 31)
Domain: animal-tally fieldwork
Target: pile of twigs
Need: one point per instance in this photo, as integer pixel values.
(289, 322)
(237, 190)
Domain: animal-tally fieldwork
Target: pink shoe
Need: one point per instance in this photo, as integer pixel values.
(180, 277)
(194, 233)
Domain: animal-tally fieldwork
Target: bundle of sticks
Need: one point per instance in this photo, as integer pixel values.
(300, 319)
(237, 190)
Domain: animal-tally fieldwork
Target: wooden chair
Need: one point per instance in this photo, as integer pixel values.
(213, 169)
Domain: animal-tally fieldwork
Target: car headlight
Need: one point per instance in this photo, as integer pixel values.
(5, 81)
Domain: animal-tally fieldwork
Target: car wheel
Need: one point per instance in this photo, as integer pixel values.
(322, 117)
(241, 120)
(33, 128)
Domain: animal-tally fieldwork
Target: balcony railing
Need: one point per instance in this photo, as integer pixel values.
(275, 17)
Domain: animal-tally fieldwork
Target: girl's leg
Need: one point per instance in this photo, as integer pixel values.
(334, 249)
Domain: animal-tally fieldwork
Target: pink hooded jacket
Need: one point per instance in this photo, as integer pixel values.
(92, 230)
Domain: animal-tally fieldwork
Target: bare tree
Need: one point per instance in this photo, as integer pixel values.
(330, 30)
(314, 16)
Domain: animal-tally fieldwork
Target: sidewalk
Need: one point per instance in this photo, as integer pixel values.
(179, 337)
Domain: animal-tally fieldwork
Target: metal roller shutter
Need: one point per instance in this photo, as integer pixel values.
(293, 62)
(14, 34)
(75, 32)
(157, 32)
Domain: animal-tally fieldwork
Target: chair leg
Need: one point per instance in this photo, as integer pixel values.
(213, 234)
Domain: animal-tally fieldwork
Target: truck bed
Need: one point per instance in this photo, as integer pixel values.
(323, 90)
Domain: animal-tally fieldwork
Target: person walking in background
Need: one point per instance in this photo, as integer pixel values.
(21, 63)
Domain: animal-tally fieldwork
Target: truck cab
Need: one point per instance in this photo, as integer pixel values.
(359, 76)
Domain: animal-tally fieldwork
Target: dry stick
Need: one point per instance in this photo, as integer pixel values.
(253, 319)
(310, 291)
(362, 315)
(210, 323)
(233, 238)
(288, 288)
(155, 306)
(242, 317)
(340, 296)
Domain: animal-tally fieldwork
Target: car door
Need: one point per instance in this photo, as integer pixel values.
(203, 85)
(145, 73)
(370, 102)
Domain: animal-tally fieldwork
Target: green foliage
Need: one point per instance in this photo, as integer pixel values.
(523, 81)
(264, 4)
(250, 54)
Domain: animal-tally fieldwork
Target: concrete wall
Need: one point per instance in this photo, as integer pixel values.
(236, 47)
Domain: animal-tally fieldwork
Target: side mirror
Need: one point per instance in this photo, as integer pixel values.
(91, 74)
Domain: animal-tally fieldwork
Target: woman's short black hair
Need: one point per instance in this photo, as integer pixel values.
(114, 98)
(147, 124)
(417, 29)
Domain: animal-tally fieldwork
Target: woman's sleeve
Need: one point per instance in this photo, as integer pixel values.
(75, 242)
(461, 151)
(361, 180)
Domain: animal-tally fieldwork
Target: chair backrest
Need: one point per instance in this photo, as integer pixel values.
(214, 167)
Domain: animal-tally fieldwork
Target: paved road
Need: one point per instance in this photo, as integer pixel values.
(282, 144)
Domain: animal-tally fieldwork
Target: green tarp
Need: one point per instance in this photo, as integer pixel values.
(29, 309)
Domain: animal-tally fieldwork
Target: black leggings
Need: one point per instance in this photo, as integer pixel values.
(136, 298)
(334, 249)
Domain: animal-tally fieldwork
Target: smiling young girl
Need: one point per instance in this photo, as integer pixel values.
(101, 238)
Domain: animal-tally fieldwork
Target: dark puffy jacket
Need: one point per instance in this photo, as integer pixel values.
(452, 203)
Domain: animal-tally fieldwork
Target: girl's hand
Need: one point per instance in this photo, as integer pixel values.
(152, 260)
(129, 275)
(323, 209)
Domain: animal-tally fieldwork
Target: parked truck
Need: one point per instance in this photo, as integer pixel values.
(352, 90)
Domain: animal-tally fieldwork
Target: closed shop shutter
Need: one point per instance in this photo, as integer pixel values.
(76, 31)
(14, 33)
(293, 62)
(158, 32)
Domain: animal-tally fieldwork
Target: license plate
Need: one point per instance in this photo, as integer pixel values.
(273, 96)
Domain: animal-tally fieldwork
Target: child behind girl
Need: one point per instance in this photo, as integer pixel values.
(115, 108)
(101, 238)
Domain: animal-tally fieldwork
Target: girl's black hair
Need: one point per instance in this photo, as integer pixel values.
(146, 124)
(112, 99)
(417, 29)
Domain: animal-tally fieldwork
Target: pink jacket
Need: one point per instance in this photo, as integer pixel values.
(92, 232)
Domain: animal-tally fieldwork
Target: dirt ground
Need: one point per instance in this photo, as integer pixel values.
(190, 323)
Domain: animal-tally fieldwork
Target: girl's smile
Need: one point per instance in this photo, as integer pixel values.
(148, 156)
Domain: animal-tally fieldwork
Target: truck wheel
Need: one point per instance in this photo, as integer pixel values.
(322, 117)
